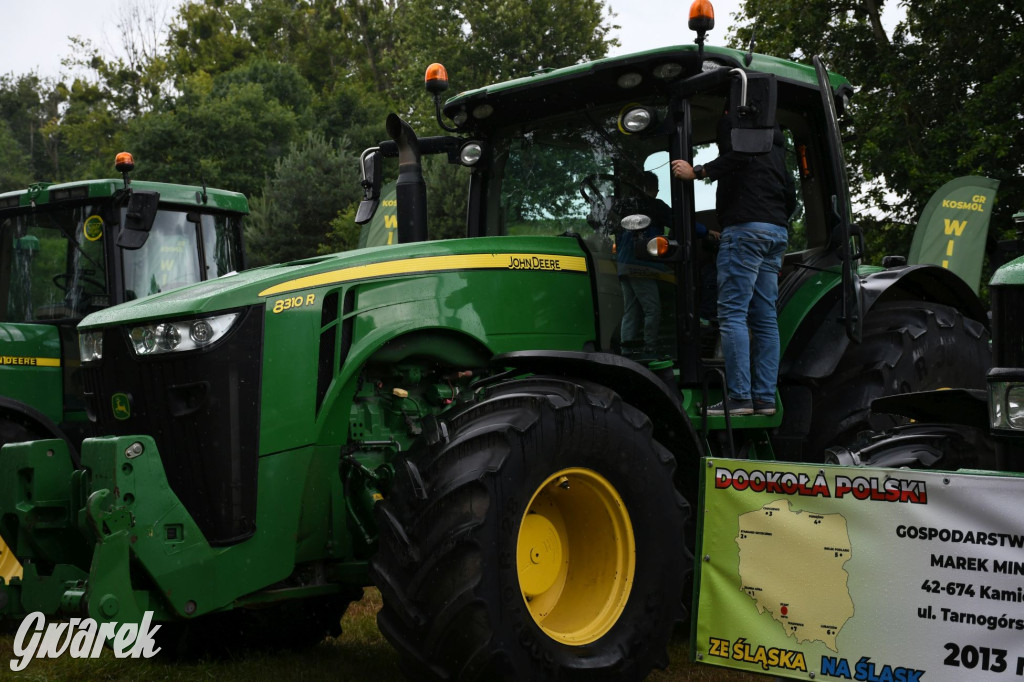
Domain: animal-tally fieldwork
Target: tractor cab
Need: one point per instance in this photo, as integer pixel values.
(67, 250)
(584, 152)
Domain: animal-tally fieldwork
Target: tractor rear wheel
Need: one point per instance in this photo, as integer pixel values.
(908, 346)
(542, 540)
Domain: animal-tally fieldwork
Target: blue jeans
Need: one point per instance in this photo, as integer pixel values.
(749, 260)
(641, 311)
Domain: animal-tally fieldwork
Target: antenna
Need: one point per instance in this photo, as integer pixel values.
(749, 56)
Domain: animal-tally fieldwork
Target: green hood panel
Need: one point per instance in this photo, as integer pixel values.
(1010, 274)
(291, 280)
(30, 366)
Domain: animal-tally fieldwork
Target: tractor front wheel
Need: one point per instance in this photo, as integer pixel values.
(543, 540)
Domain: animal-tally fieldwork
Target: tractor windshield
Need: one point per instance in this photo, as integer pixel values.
(56, 260)
(53, 263)
(573, 173)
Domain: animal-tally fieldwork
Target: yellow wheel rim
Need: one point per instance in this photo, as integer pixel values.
(9, 566)
(576, 556)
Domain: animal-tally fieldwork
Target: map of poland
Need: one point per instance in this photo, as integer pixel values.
(791, 565)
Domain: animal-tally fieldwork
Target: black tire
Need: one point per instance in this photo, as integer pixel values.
(13, 430)
(454, 529)
(907, 346)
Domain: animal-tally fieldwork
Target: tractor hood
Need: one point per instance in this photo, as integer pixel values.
(268, 284)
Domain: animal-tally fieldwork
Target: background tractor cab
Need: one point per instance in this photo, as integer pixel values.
(70, 249)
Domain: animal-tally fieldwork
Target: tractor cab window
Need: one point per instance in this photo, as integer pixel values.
(182, 248)
(222, 248)
(52, 263)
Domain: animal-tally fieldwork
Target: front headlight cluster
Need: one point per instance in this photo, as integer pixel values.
(153, 338)
(1006, 404)
(172, 336)
(90, 346)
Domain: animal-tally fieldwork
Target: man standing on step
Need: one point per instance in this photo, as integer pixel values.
(753, 201)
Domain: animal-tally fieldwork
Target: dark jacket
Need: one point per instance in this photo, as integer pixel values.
(751, 188)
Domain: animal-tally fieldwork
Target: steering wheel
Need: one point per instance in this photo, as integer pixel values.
(61, 281)
(590, 190)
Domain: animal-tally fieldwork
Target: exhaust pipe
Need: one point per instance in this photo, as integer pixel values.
(410, 189)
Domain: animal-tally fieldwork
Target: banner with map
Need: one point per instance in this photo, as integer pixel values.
(857, 573)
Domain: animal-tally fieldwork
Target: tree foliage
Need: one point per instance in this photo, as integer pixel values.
(309, 186)
(940, 94)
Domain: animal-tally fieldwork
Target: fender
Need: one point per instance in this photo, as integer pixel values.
(964, 406)
(634, 383)
(821, 341)
(27, 416)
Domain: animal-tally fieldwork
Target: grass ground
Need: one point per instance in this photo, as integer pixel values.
(359, 654)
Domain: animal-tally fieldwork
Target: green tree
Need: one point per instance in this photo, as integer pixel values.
(14, 162)
(309, 186)
(237, 83)
(227, 130)
(208, 37)
(86, 134)
(28, 105)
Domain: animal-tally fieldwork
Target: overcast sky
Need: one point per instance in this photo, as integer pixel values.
(36, 35)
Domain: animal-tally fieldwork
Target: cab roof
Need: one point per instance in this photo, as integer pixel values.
(185, 195)
(598, 80)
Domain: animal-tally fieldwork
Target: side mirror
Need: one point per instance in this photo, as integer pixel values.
(752, 105)
(370, 162)
(138, 221)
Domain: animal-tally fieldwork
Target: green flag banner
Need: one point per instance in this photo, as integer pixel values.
(382, 230)
(954, 226)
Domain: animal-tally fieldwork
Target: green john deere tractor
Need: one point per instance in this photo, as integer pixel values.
(458, 422)
(70, 249)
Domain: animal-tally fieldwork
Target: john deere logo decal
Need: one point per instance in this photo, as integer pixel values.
(92, 228)
(120, 406)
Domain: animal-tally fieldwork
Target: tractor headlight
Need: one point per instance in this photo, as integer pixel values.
(471, 153)
(1006, 405)
(90, 346)
(635, 118)
(180, 335)
(1015, 406)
